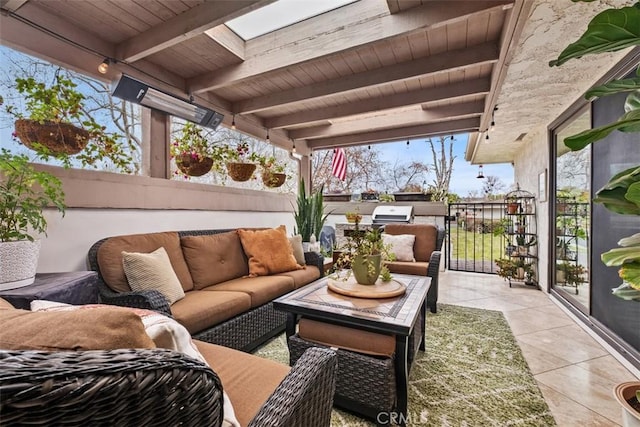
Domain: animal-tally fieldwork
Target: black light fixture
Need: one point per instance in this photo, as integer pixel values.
(493, 119)
(452, 137)
(480, 173)
(233, 122)
(486, 138)
(133, 90)
(407, 143)
(104, 66)
(267, 135)
(293, 148)
(369, 147)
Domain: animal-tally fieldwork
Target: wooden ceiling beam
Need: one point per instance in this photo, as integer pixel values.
(387, 102)
(391, 119)
(417, 131)
(227, 39)
(341, 30)
(184, 26)
(440, 63)
(12, 5)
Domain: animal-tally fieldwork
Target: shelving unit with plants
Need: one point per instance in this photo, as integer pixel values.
(571, 226)
(519, 228)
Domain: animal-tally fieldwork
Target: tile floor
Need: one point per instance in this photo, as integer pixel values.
(574, 372)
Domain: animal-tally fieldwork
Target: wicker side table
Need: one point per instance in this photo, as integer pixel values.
(77, 287)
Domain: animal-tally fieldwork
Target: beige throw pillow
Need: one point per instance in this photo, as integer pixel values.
(298, 252)
(152, 271)
(401, 246)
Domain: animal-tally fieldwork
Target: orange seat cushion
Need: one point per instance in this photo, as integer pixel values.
(261, 290)
(199, 310)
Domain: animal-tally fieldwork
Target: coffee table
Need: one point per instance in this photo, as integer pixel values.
(402, 316)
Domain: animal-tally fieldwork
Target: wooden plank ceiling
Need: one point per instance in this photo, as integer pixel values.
(371, 71)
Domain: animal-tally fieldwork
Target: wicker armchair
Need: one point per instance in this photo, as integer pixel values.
(149, 387)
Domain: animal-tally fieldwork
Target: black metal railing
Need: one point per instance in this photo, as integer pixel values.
(472, 244)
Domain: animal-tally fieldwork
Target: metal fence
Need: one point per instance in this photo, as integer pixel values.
(472, 244)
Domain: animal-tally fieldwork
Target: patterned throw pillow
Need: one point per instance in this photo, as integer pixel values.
(401, 245)
(152, 271)
(296, 246)
(269, 251)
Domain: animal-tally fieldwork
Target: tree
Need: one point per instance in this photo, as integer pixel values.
(492, 186)
(364, 171)
(407, 176)
(442, 164)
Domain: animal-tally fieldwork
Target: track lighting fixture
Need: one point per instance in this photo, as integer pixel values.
(233, 122)
(104, 66)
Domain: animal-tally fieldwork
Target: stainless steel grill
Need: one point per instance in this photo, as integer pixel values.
(392, 214)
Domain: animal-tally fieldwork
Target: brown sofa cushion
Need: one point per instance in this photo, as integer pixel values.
(95, 329)
(248, 380)
(347, 338)
(214, 258)
(406, 267)
(426, 235)
(110, 257)
(303, 277)
(269, 251)
(261, 289)
(199, 310)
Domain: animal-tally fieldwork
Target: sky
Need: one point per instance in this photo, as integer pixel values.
(463, 178)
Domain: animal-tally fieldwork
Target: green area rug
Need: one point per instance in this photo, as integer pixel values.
(472, 374)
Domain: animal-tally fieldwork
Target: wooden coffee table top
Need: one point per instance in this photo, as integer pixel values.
(395, 315)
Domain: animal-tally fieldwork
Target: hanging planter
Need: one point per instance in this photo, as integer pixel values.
(273, 179)
(193, 166)
(240, 171)
(57, 137)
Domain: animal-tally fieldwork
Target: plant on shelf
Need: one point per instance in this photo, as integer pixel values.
(24, 195)
(363, 252)
(56, 125)
(516, 269)
(309, 213)
(272, 171)
(191, 151)
(386, 197)
(571, 274)
(609, 31)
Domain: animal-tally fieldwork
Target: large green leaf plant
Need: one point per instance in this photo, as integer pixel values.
(309, 213)
(609, 31)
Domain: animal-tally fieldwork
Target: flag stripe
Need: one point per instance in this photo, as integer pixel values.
(339, 164)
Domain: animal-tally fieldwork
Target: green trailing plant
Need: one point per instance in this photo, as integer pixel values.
(611, 30)
(24, 194)
(508, 269)
(309, 214)
(62, 102)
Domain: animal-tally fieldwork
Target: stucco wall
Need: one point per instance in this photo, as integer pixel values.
(528, 164)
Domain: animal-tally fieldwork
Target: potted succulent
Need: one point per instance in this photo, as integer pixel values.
(272, 171)
(56, 124)
(24, 194)
(191, 151)
(364, 252)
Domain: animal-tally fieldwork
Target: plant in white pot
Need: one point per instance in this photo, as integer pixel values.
(24, 194)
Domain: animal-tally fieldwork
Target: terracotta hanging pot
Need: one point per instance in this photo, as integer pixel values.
(57, 137)
(191, 166)
(240, 171)
(273, 180)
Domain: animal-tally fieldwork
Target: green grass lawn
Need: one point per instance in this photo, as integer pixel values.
(470, 245)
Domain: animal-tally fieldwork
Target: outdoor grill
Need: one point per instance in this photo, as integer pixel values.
(392, 214)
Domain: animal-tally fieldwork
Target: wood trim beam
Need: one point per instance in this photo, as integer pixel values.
(13, 5)
(440, 63)
(391, 119)
(455, 90)
(341, 30)
(184, 26)
(228, 40)
(394, 6)
(418, 131)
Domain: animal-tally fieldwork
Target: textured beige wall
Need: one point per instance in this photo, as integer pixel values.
(529, 163)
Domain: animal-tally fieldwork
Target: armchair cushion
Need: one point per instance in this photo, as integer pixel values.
(214, 258)
(269, 251)
(414, 268)
(426, 237)
(401, 245)
(152, 271)
(103, 328)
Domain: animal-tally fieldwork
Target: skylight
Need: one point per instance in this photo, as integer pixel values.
(280, 14)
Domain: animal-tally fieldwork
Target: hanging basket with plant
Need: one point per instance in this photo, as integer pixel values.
(56, 124)
(239, 163)
(273, 175)
(191, 151)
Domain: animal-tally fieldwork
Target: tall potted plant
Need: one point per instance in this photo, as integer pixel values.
(309, 213)
(24, 194)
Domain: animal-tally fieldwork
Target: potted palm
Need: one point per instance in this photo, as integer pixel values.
(24, 194)
(56, 124)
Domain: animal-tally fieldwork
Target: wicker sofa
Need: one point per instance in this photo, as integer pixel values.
(221, 305)
(427, 252)
(107, 384)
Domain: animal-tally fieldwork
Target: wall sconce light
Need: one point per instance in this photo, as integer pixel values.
(480, 173)
(104, 66)
(233, 122)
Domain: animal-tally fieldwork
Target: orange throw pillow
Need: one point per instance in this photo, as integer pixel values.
(269, 251)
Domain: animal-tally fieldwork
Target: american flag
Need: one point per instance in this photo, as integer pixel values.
(339, 164)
